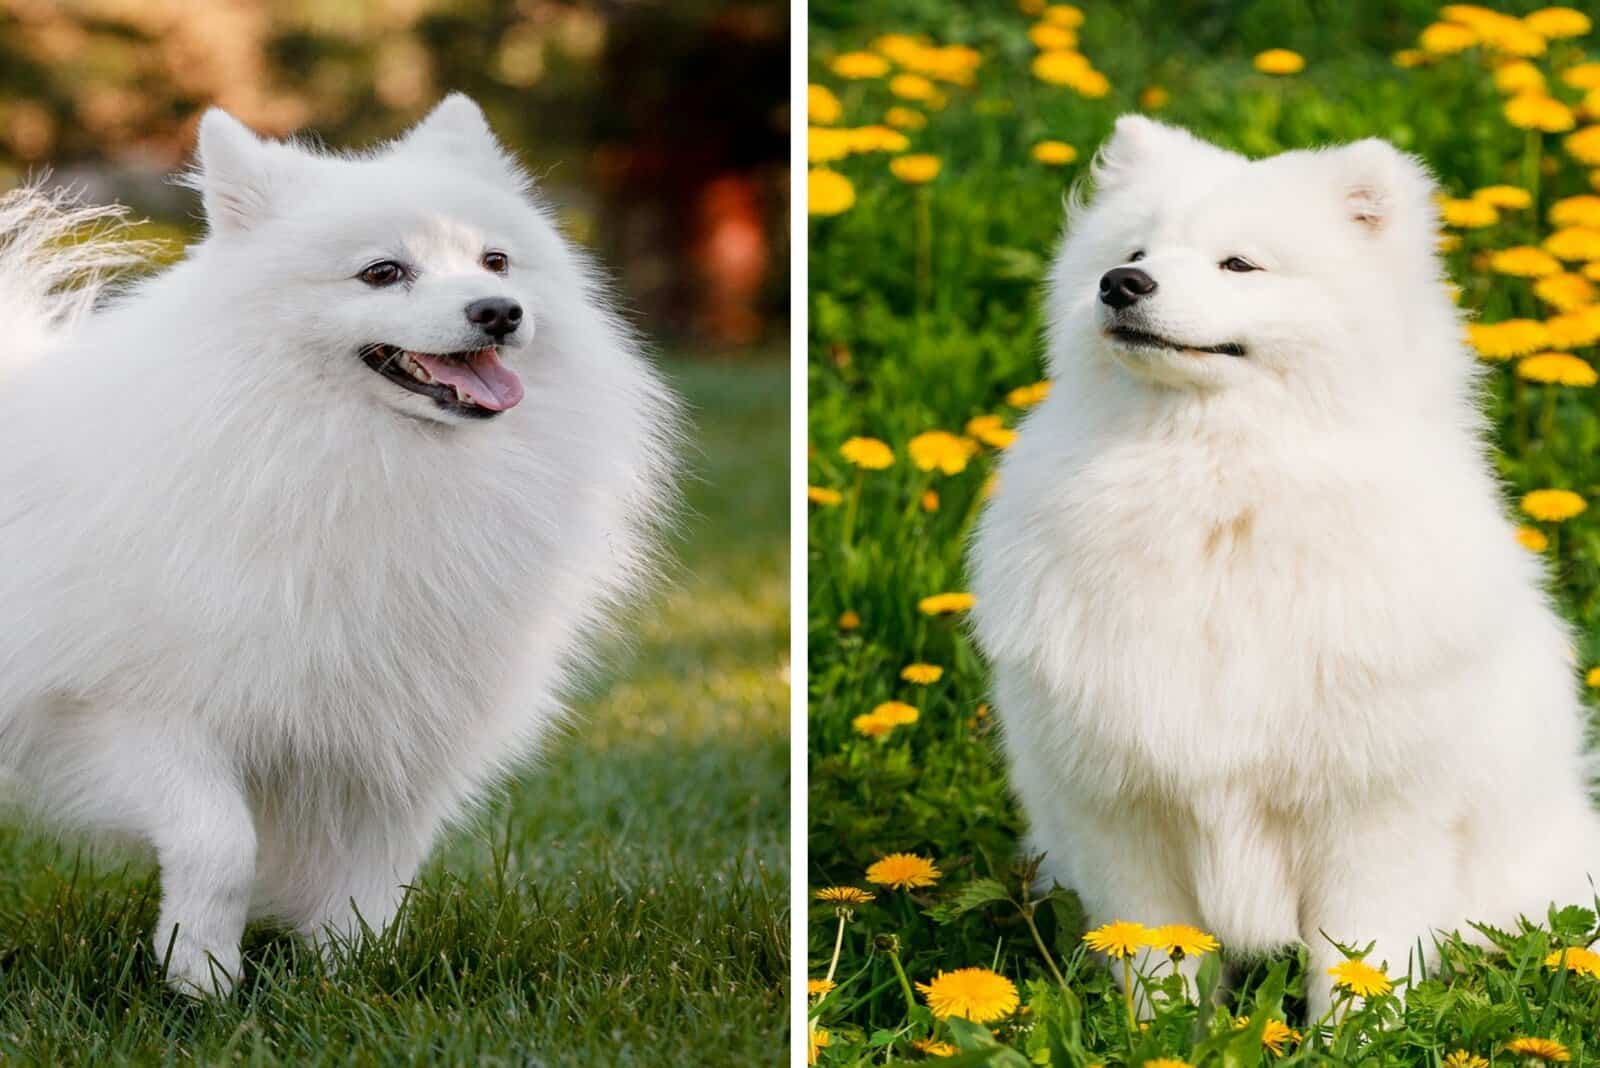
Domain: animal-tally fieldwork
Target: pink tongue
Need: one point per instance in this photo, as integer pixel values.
(490, 383)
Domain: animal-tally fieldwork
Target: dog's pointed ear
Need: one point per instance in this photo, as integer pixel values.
(1381, 186)
(233, 172)
(456, 129)
(1140, 145)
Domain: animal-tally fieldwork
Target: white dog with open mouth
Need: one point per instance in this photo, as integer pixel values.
(1267, 656)
(306, 535)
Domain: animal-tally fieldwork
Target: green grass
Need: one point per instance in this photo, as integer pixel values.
(924, 314)
(623, 904)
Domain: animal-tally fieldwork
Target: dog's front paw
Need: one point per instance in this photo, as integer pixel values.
(197, 970)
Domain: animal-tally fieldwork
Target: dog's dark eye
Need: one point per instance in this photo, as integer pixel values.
(383, 273)
(1136, 255)
(1237, 265)
(498, 262)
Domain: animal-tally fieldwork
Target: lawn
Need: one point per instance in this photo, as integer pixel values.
(944, 138)
(625, 903)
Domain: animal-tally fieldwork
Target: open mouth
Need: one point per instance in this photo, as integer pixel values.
(473, 383)
(1143, 339)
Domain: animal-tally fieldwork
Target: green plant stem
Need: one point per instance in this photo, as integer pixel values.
(924, 248)
(1038, 940)
(905, 984)
(1127, 996)
(838, 943)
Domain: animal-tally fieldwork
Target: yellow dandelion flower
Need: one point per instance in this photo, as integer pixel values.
(1279, 61)
(1449, 242)
(1154, 98)
(1504, 197)
(878, 139)
(822, 107)
(1584, 146)
(1554, 23)
(1590, 104)
(1063, 15)
(895, 713)
(816, 1043)
(825, 144)
(869, 726)
(1028, 396)
(1574, 243)
(1167, 1062)
(940, 604)
(1060, 67)
(1553, 505)
(1532, 540)
(1446, 38)
(868, 453)
(828, 192)
(1518, 76)
(1054, 153)
(849, 620)
(1576, 329)
(933, 1048)
(1565, 292)
(816, 988)
(1592, 679)
(1582, 75)
(1580, 210)
(1182, 938)
(940, 449)
(1575, 959)
(1536, 111)
(903, 871)
(1468, 213)
(823, 495)
(1541, 1049)
(975, 994)
(1591, 271)
(1558, 368)
(1091, 84)
(912, 87)
(899, 47)
(1408, 58)
(1276, 1035)
(1513, 38)
(1120, 938)
(930, 500)
(855, 65)
(1047, 35)
(844, 895)
(1524, 262)
(922, 674)
(1462, 1059)
(915, 169)
(905, 118)
(1361, 978)
(1504, 340)
(989, 430)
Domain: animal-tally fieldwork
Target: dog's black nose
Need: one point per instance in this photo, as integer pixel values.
(499, 316)
(1121, 286)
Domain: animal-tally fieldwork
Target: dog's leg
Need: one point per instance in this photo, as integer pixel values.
(1126, 864)
(360, 881)
(1388, 874)
(181, 795)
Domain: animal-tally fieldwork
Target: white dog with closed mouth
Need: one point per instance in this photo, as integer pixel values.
(1267, 657)
(307, 535)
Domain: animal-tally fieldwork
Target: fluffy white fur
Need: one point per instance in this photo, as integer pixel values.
(264, 609)
(1267, 657)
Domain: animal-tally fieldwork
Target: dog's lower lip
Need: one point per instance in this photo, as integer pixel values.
(384, 360)
(1155, 341)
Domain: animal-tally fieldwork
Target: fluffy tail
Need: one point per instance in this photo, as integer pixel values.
(57, 256)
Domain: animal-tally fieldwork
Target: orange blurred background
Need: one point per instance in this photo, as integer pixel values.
(660, 129)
